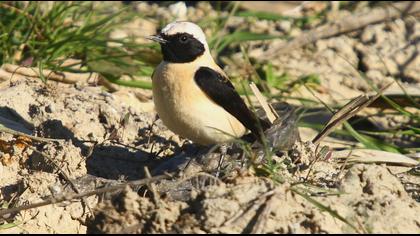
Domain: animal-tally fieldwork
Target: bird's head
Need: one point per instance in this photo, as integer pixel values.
(181, 42)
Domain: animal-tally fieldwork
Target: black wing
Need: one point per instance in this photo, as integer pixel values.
(221, 91)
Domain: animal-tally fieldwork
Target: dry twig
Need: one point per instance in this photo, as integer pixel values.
(253, 206)
(62, 172)
(345, 113)
(269, 111)
(17, 133)
(63, 77)
(69, 197)
(152, 186)
(389, 12)
(262, 218)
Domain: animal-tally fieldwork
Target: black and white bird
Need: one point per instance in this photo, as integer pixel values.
(192, 95)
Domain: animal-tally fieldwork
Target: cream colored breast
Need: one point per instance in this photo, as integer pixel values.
(187, 111)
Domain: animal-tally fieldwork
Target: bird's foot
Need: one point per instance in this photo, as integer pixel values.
(223, 151)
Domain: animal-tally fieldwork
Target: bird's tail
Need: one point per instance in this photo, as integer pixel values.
(280, 135)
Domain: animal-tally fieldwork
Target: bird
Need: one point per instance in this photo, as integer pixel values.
(192, 95)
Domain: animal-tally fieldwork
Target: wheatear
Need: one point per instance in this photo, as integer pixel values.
(192, 95)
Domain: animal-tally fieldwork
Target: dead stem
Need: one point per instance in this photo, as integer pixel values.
(347, 24)
(152, 187)
(63, 174)
(349, 110)
(69, 197)
(17, 133)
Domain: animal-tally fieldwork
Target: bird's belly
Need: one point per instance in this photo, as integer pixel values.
(188, 112)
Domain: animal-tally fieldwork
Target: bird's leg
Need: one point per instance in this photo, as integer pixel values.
(223, 151)
(187, 165)
(243, 160)
(198, 153)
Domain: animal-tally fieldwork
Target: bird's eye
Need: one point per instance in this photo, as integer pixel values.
(184, 38)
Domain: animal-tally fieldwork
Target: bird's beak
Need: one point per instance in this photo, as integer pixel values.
(157, 38)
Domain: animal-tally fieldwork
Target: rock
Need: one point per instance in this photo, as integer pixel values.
(178, 10)
(284, 26)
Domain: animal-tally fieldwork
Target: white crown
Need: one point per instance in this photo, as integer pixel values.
(185, 27)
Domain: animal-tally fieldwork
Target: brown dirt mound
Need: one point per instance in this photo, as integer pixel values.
(257, 205)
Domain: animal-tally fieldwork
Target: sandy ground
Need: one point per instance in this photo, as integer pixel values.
(109, 138)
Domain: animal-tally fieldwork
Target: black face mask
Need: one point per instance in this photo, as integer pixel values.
(181, 48)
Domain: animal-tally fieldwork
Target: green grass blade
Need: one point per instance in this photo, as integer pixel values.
(322, 207)
(243, 36)
(9, 225)
(132, 83)
(367, 141)
(262, 15)
(370, 142)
